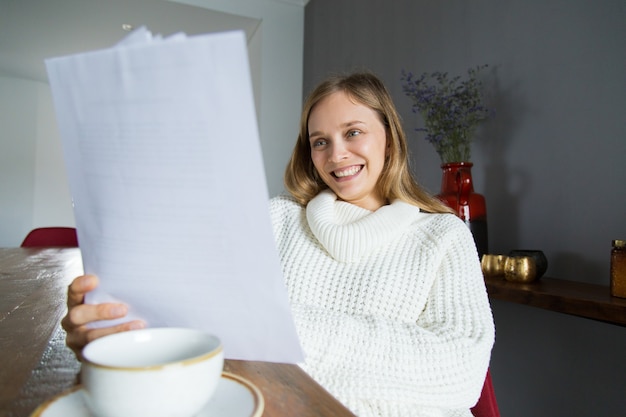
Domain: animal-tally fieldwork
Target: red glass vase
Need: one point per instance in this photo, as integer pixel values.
(457, 191)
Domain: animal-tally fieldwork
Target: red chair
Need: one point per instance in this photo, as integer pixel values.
(51, 236)
(486, 405)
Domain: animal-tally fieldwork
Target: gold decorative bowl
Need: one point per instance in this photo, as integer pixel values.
(493, 265)
(520, 269)
(541, 262)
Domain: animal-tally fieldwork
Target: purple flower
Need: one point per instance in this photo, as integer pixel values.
(451, 110)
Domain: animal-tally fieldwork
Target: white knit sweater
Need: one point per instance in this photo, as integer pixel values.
(390, 306)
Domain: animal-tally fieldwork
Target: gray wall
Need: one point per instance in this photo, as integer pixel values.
(551, 164)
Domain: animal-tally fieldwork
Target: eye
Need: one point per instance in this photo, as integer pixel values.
(353, 133)
(319, 142)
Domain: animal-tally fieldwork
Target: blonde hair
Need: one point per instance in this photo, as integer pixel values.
(395, 182)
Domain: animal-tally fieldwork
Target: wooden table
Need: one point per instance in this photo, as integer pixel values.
(580, 299)
(35, 364)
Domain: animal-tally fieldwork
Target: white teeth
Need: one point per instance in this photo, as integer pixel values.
(346, 173)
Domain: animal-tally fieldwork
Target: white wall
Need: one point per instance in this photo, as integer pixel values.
(33, 185)
(52, 203)
(18, 122)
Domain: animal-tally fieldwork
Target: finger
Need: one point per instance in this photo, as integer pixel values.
(79, 287)
(80, 337)
(83, 314)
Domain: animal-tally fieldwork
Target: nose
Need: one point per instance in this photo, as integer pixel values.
(338, 152)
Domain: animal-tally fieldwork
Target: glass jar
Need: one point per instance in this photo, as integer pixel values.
(618, 269)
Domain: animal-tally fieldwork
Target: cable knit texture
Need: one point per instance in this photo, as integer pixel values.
(390, 306)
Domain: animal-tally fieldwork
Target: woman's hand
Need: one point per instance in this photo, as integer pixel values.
(79, 315)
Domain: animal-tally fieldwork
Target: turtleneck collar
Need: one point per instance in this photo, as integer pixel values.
(349, 232)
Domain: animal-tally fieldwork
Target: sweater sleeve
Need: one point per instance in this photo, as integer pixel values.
(438, 361)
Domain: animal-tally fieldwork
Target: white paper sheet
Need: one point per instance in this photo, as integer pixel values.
(170, 199)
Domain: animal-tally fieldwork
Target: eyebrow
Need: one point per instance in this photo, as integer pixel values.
(343, 125)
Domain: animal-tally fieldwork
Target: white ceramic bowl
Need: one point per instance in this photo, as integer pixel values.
(158, 372)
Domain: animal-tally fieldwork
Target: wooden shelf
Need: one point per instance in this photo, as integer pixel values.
(576, 298)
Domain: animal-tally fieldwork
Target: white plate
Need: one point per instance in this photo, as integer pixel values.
(234, 397)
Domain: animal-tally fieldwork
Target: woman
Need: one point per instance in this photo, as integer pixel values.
(384, 282)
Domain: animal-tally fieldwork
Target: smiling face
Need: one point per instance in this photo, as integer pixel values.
(348, 147)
